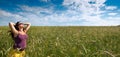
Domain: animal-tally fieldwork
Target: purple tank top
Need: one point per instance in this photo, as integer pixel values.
(20, 41)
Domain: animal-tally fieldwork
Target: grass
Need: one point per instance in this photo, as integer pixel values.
(71, 41)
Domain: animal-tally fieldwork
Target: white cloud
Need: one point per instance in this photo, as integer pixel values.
(91, 11)
(44, 0)
(34, 14)
(112, 14)
(80, 12)
(110, 7)
(114, 20)
(5, 14)
(85, 6)
(6, 17)
(36, 10)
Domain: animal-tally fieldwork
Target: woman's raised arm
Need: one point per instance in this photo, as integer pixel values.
(11, 25)
(27, 27)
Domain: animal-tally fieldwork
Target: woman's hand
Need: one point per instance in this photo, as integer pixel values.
(27, 24)
(11, 23)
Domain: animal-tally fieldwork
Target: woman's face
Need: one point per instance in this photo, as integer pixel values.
(21, 25)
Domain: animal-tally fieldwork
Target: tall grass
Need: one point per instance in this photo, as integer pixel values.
(68, 41)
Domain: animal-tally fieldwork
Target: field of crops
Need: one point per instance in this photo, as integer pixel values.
(67, 41)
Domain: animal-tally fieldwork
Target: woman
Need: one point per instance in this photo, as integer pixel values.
(18, 33)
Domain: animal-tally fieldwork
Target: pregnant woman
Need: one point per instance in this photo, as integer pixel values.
(18, 33)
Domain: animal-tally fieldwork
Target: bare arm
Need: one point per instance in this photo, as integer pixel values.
(27, 27)
(11, 25)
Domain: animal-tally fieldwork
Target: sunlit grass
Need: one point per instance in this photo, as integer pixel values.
(67, 42)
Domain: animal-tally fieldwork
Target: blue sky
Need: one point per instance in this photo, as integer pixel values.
(61, 12)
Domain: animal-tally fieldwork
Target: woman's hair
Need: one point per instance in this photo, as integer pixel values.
(16, 27)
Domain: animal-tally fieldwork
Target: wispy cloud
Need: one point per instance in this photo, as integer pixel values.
(78, 12)
(85, 6)
(110, 7)
(112, 14)
(6, 17)
(44, 0)
(8, 14)
(92, 11)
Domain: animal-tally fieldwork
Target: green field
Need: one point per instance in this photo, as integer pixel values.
(71, 41)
